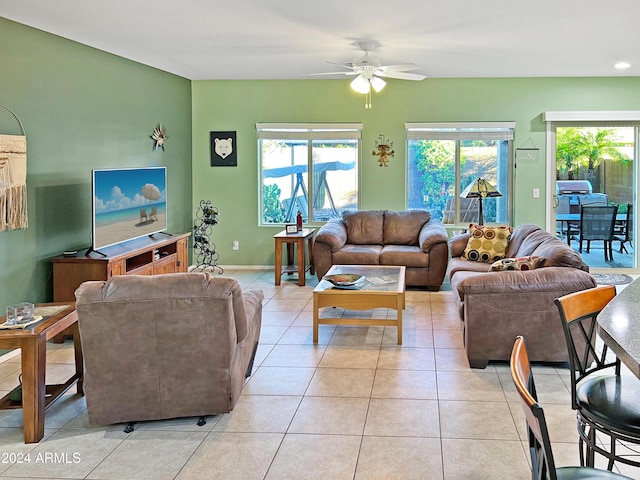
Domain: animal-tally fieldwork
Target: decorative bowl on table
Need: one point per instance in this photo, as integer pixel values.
(344, 279)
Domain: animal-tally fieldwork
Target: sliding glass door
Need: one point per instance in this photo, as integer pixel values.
(596, 164)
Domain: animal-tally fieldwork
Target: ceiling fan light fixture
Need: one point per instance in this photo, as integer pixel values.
(378, 84)
(361, 85)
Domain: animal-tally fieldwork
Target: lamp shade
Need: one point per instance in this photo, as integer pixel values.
(378, 84)
(361, 85)
(480, 189)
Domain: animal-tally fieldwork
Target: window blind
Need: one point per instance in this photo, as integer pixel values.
(306, 131)
(460, 131)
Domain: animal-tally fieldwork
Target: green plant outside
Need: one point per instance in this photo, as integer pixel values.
(584, 148)
(272, 211)
(436, 165)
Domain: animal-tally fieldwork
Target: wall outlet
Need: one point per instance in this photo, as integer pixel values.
(536, 193)
(236, 245)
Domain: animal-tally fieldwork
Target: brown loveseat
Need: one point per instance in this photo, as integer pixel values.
(382, 237)
(165, 346)
(495, 307)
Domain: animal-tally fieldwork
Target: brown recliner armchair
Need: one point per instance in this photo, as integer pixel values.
(165, 346)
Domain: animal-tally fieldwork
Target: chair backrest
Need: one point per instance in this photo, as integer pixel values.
(164, 346)
(469, 208)
(628, 229)
(597, 221)
(542, 463)
(578, 312)
(593, 199)
(564, 204)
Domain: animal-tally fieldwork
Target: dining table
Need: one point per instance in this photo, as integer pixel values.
(566, 218)
(619, 326)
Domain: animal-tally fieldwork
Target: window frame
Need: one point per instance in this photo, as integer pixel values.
(309, 132)
(457, 132)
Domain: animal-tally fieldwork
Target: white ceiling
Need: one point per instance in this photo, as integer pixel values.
(286, 39)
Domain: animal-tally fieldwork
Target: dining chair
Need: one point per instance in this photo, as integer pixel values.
(607, 404)
(542, 462)
(594, 199)
(623, 231)
(566, 228)
(596, 224)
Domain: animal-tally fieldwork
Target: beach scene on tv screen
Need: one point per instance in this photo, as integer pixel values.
(128, 204)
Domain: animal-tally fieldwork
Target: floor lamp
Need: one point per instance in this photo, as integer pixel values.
(480, 189)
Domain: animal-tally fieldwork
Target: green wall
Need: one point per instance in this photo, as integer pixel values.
(82, 109)
(239, 105)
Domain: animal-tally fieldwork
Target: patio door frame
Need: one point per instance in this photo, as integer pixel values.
(613, 118)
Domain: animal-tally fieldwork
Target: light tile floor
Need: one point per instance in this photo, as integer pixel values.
(354, 406)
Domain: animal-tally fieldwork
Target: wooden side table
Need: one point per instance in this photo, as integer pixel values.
(32, 340)
(295, 239)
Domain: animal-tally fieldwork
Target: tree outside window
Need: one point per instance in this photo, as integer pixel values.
(580, 150)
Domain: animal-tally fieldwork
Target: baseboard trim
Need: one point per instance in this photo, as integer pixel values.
(9, 355)
(243, 267)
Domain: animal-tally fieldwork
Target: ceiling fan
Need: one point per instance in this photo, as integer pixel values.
(369, 70)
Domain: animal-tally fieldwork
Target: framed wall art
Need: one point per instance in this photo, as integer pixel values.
(224, 150)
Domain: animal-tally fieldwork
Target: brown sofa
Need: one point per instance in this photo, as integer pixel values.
(382, 237)
(165, 346)
(495, 307)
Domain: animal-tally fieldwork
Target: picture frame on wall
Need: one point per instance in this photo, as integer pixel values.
(224, 149)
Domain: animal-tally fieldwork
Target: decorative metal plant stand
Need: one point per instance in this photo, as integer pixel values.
(206, 257)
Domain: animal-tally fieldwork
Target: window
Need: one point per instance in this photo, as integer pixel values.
(443, 159)
(289, 152)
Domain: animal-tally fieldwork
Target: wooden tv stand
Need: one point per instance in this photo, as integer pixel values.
(160, 253)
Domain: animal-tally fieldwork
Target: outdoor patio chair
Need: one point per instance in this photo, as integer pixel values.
(596, 224)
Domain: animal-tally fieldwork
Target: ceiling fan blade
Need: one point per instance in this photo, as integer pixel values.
(330, 73)
(403, 67)
(346, 64)
(401, 75)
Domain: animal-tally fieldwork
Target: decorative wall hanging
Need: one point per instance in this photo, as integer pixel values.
(160, 136)
(13, 179)
(384, 147)
(205, 255)
(224, 150)
(527, 154)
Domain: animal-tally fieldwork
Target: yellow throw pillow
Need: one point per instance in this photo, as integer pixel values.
(487, 244)
(519, 263)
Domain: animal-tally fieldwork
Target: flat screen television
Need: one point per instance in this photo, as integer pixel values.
(128, 203)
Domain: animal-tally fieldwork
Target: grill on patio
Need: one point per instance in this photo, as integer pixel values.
(573, 193)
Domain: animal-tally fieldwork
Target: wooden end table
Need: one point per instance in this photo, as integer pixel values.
(32, 341)
(298, 240)
(384, 288)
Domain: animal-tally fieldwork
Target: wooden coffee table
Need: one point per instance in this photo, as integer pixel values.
(383, 288)
(32, 340)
